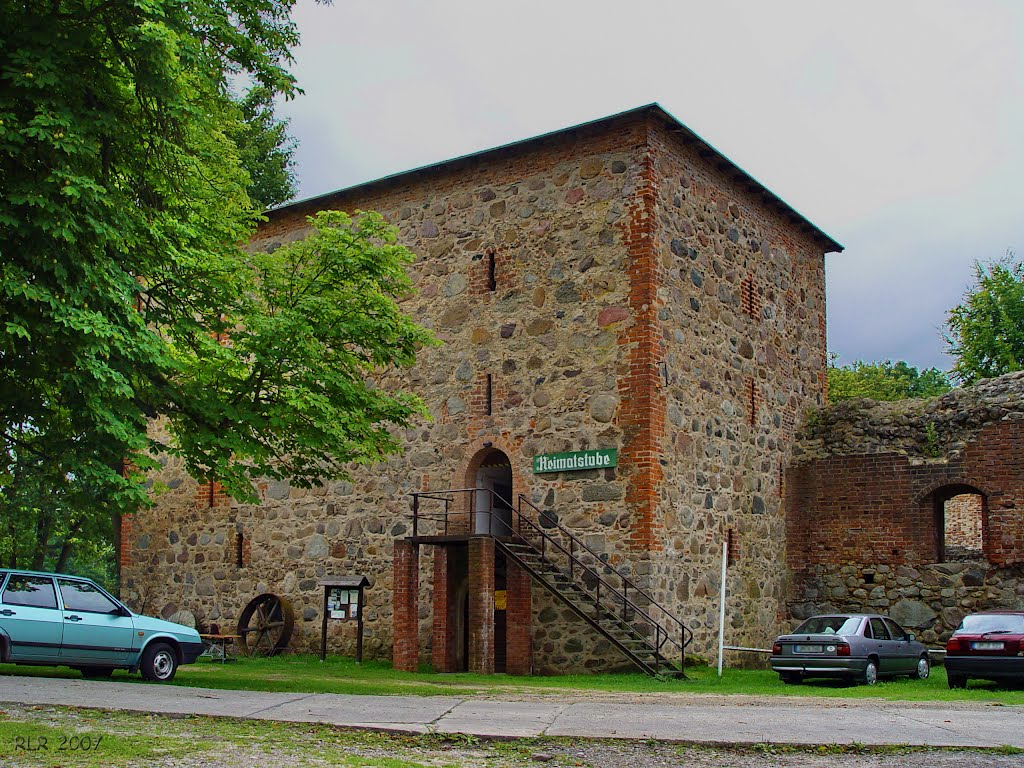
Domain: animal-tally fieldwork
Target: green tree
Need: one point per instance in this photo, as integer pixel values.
(50, 522)
(885, 380)
(265, 150)
(289, 395)
(124, 203)
(985, 332)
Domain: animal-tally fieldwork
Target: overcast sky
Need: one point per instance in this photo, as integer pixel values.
(895, 126)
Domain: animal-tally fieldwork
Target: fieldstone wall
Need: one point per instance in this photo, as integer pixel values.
(211, 559)
(612, 286)
(741, 329)
(911, 508)
(930, 599)
(547, 336)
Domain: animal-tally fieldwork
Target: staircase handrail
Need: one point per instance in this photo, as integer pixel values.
(625, 579)
(615, 591)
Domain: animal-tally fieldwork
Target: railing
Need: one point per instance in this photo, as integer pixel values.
(612, 593)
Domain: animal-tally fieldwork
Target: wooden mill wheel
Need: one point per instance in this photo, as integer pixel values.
(265, 626)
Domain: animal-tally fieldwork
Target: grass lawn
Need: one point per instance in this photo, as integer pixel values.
(338, 674)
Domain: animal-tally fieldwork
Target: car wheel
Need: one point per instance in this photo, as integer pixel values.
(159, 662)
(870, 674)
(97, 673)
(956, 680)
(923, 669)
(791, 678)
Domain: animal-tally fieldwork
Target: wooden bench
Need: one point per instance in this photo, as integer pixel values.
(217, 645)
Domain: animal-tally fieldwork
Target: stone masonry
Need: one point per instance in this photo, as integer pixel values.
(614, 285)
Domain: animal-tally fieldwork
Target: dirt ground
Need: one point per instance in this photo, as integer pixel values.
(153, 741)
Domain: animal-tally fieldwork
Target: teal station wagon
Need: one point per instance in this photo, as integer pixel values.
(53, 618)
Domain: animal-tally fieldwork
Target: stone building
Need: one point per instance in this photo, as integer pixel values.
(618, 297)
(913, 508)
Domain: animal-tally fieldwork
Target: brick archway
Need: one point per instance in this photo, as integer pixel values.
(961, 530)
(490, 472)
(477, 451)
(969, 483)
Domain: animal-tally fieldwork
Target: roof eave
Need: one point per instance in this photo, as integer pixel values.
(829, 244)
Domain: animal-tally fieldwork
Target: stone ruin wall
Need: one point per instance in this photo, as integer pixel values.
(861, 504)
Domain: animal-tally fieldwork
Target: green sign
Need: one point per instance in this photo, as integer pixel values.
(575, 460)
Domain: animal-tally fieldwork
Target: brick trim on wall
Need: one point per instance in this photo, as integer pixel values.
(124, 552)
(212, 494)
(642, 414)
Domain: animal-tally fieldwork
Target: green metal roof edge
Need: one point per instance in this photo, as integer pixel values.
(834, 246)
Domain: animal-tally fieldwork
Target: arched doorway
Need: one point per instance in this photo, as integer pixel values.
(491, 471)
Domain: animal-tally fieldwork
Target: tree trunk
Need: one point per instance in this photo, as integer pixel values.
(66, 547)
(43, 524)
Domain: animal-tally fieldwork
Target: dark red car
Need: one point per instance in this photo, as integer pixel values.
(988, 645)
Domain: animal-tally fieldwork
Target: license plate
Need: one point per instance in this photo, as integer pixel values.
(808, 649)
(987, 646)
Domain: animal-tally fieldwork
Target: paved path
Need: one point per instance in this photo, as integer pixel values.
(710, 720)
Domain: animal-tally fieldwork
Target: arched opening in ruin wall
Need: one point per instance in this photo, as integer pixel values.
(960, 515)
(964, 526)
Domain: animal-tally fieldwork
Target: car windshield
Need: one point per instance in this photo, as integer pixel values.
(829, 625)
(979, 624)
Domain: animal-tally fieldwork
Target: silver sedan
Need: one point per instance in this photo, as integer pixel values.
(862, 647)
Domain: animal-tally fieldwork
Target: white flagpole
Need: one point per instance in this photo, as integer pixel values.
(721, 608)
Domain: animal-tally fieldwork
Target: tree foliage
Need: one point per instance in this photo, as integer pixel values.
(51, 523)
(265, 150)
(287, 392)
(885, 380)
(121, 275)
(986, 330)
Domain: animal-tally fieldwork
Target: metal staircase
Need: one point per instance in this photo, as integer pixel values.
(627, 616)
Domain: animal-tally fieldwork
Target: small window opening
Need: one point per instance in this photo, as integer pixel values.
(240, 548)
(492, 279)
(489, 395)
(752, 400)
(213, 493)
(749, 300)
(963, 516)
